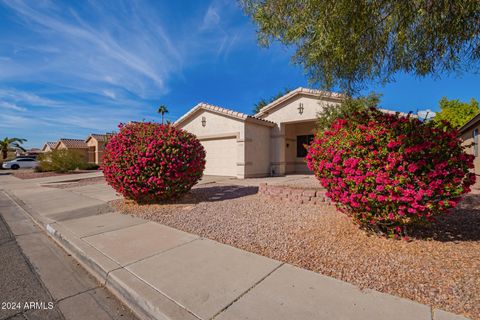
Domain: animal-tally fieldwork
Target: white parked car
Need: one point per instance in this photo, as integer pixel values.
(20, 163)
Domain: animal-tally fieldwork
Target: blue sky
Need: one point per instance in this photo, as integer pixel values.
(71, 68)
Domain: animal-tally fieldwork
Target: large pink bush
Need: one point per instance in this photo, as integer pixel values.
(150, 162)
(388, 171)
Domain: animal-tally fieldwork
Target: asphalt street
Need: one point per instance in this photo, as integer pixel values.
(20, 285)
(39, 280)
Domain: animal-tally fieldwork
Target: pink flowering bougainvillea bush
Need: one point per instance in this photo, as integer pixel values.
(150, 162)
(389, 172)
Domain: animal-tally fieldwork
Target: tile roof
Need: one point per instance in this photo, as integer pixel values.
(301, 90)
(99, 136)
(228, 112)
(51, 144)
(73, 143)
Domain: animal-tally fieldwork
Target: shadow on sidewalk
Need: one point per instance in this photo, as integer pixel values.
(206, 194)
(217, 193)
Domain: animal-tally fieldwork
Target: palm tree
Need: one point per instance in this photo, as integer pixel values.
(162, 110)
(10, 143)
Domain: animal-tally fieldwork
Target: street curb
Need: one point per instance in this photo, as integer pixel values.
(144, 301)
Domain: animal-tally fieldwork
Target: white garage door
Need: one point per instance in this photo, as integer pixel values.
(221, 157)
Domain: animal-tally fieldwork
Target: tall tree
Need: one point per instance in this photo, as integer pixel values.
(456, 112)
(346, 43)
(9, 144)
(263, 102)
(162, 110)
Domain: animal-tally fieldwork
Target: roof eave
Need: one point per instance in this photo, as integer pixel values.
(324, 95)
(469, 124)
(262, 122)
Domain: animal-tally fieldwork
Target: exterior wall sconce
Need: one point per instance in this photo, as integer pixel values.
(300, 108)
(204, 121)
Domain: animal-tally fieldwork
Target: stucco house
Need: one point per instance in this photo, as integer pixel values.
(96, 144)
(49, 146)
(270, 143)
(77, 145)
(469, 134)
(91, 148)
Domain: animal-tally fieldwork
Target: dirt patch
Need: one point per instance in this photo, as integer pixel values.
(440, 267)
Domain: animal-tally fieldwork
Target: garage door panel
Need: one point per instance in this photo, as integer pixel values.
(221, 157)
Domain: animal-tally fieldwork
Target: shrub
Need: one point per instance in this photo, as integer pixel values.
(90, 166)
(149, 162)
(62, 160)
(388, 171)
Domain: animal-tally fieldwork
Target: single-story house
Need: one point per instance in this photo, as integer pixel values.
(91, 148)
(96, 144)
(469, 134)
(77, 145)
(269, 143)
(49, 146)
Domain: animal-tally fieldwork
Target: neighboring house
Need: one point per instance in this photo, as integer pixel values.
(91, 148)
(96, 144)
(469, 134)
(270, 143)
(49, 146)
(77, 145)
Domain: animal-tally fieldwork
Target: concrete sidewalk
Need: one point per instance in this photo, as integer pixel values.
(164, 273)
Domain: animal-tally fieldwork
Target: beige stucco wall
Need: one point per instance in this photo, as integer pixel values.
(287, 111)
(467, 138)
(92, 144)
(82, 151)
(95, 152)
(223, 139)
(257, 147)
(295, 164)
(288, 119)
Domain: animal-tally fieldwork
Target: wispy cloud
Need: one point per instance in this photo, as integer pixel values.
(26, 98)
(84, 66)
(211, 18)
(98, 47)
(11, 106)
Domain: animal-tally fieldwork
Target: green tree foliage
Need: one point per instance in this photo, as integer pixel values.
(346, 109)
(62, 160)
(10, 144)
(456, 112)
(263, 102)
(345, 43)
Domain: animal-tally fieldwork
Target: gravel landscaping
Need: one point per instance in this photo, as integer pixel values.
(439, 267)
